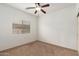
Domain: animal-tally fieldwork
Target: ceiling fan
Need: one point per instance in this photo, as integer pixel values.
(38, 7)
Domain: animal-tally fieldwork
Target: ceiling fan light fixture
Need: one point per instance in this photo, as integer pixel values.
(38, 8)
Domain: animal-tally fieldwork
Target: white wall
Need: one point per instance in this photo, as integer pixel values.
(59, 28)
(77, 9)
(9, 15)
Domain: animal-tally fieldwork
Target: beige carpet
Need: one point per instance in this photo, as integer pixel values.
(40, 49)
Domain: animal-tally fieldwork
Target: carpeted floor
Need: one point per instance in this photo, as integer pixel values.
(38, 48)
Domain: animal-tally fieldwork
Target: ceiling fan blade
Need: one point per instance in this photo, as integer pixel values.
(35, 12)
(43, 11)
(47, 5)
(30, 8)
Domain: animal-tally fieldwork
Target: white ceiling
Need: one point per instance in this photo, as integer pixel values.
(51, 8)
